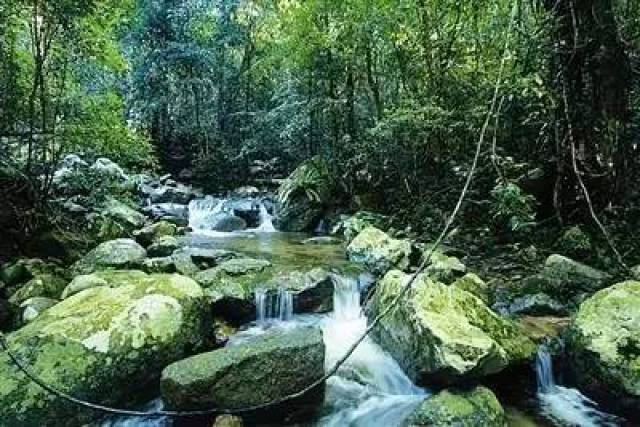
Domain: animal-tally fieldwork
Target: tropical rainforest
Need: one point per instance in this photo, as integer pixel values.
(320, 213)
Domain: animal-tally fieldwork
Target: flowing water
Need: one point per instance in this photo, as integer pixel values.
(370, 389)
(566, 406)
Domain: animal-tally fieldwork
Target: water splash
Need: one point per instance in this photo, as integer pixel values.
(563, 404)
(266, 221)
(202, 212)
(370, 389)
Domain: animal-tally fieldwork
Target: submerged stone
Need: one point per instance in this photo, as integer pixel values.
(267, 368)
(476, 407)
(103, 344)
(442, 334)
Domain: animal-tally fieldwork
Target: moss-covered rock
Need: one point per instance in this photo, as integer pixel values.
(477, 407)
(603, 344)
(262, 370)
(147, 235)
(114, 254)
(116, 219)
(159, 265)
(312, 290)
(44, 285)
(304, 196)
(351, 226)
(564, 280)
(574, 242)
(473, 284)
(232, 267)
(444, 268)
(379, 252)
(442, 334)
(163, 246)
(33, 307)
(103, 344)
(190, 261)
(112, 278)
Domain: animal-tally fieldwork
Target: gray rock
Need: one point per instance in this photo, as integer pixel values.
(33, 307)
(271, 366)
(163, 246)
(114, 254)
(537, 305)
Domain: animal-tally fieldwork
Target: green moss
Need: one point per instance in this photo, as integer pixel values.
(478, 407)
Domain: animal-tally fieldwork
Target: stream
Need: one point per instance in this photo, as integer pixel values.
(370, 389)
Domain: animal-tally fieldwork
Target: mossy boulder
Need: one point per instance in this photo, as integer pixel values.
(123, 214)
(159, 265)
(190, 261)
(43, 285)
(473, 284)
(267, 368)
(472, 408)
(103, 344)
(304, 196)
(33, 307)
(114, 254)
(603, 344)
(574, 242)
(163, 246)
(232, 267)
(379, 252)
(351, 226)
(444, 268)
(565, 280)
(111, 278)
(442, 334)
(147, 235)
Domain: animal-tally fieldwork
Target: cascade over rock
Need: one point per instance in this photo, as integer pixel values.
(269, 367)
(103, 344)
(443, 334)
(603, 344)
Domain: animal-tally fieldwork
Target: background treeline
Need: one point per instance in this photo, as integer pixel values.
(391, 94)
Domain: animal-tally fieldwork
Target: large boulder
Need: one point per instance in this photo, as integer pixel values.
(230, 287)
(267, 368)
(304, 196)
(43, 285)
(379, 252)
(114, 254)
(172, 193)
(603, 345)
(174, 213)
(476, 407)
(566, 281)
(442, 334)
(104, 344)
(122, 213)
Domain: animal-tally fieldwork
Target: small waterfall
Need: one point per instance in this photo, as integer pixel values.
(285, 305)
(544, 370)
(321, 228)
(370, 389)
(266, 221)
(273, 306)
(566, 405)
(202, 211)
